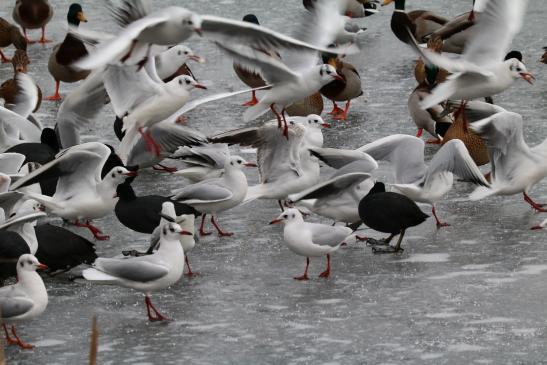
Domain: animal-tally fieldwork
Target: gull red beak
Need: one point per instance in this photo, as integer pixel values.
(42, 207)
(338, 77)
(41, 266)
(528, 77)
(186, 233)
(325, 125)
(250, 164)
(198, 31)
(275, 221)
(536, 227)
(200, 86)
(131, 173)
(197, 58)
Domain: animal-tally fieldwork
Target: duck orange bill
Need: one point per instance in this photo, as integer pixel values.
(250, 164)
(42, 267)
(528, 77)
(200, 86)
(81, 17)
(131, 173)
(186, 233)
(275, 221)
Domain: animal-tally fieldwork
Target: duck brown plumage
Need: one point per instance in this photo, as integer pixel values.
(312, 104)
(9, 88)
(346, 90)
(33, 14)
(10, 34)
(66, 53)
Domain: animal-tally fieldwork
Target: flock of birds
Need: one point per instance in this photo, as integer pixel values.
(142, 72)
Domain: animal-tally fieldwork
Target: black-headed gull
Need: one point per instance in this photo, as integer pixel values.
(310, 239)
(481, 70)
(203, 162)
(217, 195)
(23, 300)
(81, 193)
(300, 76)
(186, 222)
(391, 213)
(516, 167)
(285, 165)
(173, 25)
(338, 197)
(171, 60)
(416, 180)
(148, 273)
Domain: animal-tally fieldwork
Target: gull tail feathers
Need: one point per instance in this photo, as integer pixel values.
(47, 201)
(442, 92)
(482, 192)
(255, 111)
(98, 277)
(253, 193)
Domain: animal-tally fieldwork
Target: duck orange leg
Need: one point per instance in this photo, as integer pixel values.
(343, 114)
(253, 101)
(56, 96)
(305, 275)
(335, 109)
(43, 39)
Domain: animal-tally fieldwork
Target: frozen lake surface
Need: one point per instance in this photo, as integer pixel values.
(473, 292)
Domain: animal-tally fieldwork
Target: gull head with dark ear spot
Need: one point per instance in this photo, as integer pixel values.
(518, 70)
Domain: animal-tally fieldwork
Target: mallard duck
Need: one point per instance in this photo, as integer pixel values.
(432, 119)
(420, 22)
(66, 53)
(10, 34)
(345, 90)
(420, 70)
(33, 14)
(250, 78)
(351, 8)
(313, 104)
(475, 144)
(10, 90)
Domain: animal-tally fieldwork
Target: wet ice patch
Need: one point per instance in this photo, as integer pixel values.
(493, 320)
(476, 266)
(329, 301)
(431, 356)
(426, 257)
(455, 274)
(464, 347)
(334, 340)
(48, 343)
(468, 242)
(532, 269)
(208, 327)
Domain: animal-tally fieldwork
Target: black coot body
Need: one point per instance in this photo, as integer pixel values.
(142, 213)
(391, 213)
(61, 249)
(12, 245)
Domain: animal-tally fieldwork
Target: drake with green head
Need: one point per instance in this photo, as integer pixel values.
(420, 22)
(68, 52)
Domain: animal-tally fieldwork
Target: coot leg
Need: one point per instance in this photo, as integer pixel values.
(382, 242)
(305, 275)
(391, 249)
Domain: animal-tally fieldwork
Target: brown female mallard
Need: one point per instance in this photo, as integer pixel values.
(33, 14)
(10, 34)
(338, 90)
(10, 91)
(66, 53)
